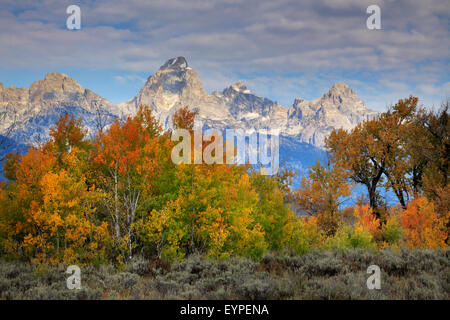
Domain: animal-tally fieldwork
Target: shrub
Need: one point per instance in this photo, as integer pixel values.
(237, 278)
(301, 234)
(347, 237)
(337, 274)
(366, 219)
(392, 231)
(138, 265)
(424, 227)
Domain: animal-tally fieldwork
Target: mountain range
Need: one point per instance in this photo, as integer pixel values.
(30, 112)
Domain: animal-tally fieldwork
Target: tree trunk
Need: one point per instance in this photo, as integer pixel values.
(116, 208)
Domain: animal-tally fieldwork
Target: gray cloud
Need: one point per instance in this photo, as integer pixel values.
(224, 40)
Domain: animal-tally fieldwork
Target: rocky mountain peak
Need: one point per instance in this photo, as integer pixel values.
(174, 85)
(56, 76)
(311, 121)
(55, 86)
(240, 87)
(56, 81)
(340, 91)
(236, 89)
(171, 78)
(178, 63)
(35, 109)
(339, 86)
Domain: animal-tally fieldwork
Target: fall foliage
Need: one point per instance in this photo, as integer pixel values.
(425, 228)
(82, 200)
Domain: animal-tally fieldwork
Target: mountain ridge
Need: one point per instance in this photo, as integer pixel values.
(176, 85)
(35, 109)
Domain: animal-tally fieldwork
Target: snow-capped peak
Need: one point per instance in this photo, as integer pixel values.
(175, 63)
(240, 87)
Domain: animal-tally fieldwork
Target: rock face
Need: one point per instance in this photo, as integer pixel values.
(34, 110)
(312, 121)
(176, 85)
(303, 126)
(251, 111)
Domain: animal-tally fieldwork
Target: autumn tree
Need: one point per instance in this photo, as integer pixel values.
(425, 228)
(434, 152)
(219, 210)
(20, 198)
(396, 133)
(322, 193)
(183, 118)
(67, 133)
(163, 231)
(272, 211)
(367, 220)
(378, 152)
(300, 234)
(127, 155)
(10, 162)
(352, 151)
(50, 211)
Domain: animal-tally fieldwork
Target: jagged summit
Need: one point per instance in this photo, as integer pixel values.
(236, 89)
(178, 63)
(174, 86)
(35, 109)
(240, 87)
(298, 100)
(55, 85)
(340, 91)
(311, 121)
(56, 76)
(339, 86)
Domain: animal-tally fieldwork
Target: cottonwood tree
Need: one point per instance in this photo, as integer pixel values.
(382, 152)
(434, 151)
(393, 131)
(355, 152)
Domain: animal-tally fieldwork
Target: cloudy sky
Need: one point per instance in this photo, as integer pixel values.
(281, 49)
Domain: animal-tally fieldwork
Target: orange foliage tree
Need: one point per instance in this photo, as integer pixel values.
(424, 227)
(51, 212)
(128, 157)
(367, 220)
